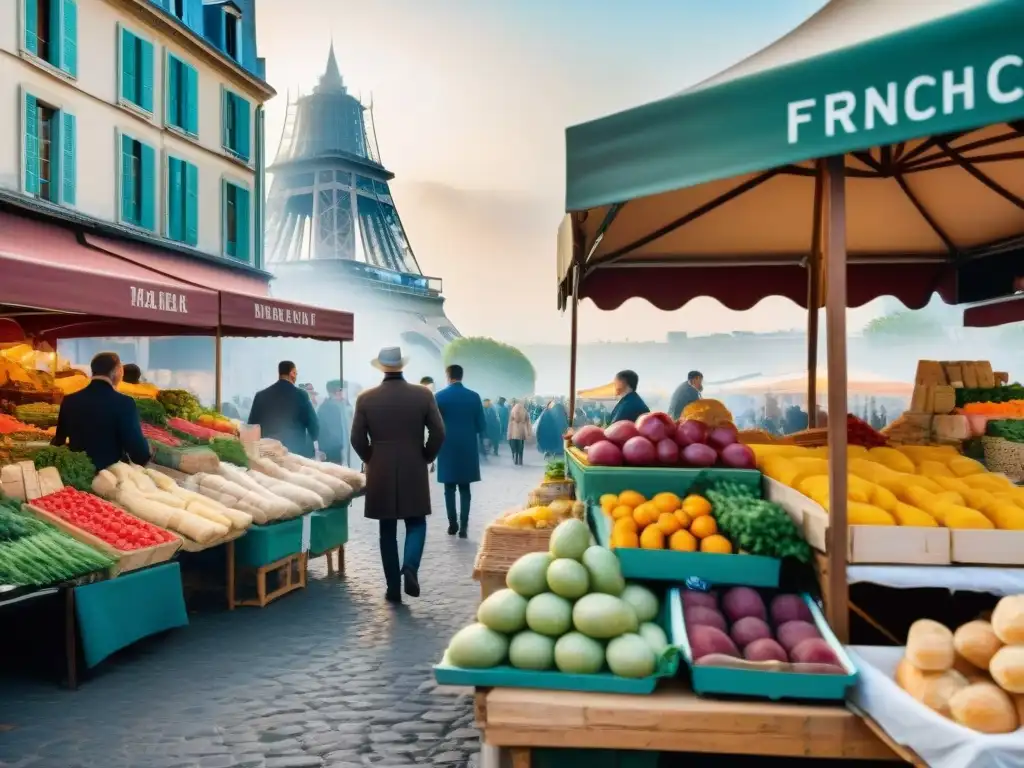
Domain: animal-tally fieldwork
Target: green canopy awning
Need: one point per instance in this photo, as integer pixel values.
(924, 99)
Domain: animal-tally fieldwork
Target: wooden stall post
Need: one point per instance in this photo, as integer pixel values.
(834, 210)
(573, 339)
(814, 300)
(218, 375)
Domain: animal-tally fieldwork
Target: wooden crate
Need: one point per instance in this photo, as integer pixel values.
(290, 570)
(126, 561)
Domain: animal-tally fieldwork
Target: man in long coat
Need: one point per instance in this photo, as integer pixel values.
(387, 434)
(458, 463)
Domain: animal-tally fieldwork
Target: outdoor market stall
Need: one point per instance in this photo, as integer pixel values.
(869, 152)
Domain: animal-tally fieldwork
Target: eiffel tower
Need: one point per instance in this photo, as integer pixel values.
(333, 234)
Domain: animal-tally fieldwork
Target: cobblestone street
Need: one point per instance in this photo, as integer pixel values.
(328, 677)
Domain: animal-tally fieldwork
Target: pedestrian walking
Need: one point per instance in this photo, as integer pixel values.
(458, 463)
(492, 421)
(285, 412)
(428, 382)
(503, 410)
(551, 425)
(519, 431)
(387, 434)
(335, 418)
(687, 392)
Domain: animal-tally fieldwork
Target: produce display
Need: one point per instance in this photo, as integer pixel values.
(150, 411)
(569, 610)
(922, 486)
(156, 498)
(664, 522)
(41, 415)
(758, 526)
(218, 423)
(975, 675)
(327, 481)
(969, 398)
(1008, 429)
(140, 391)
(11, 426)
(191, 430)
(23, 482)
(859, 432)
(1008, 409)
(35, 554)
(230, 450)
(779, 635)
(555, 470)
(160, 435)
(102, 519)
(542, 517)
(180, 404)
(75, 467)
(656, 440)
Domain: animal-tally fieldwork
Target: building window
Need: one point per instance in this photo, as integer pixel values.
(136, 64)
(49, 152)
(182, 201)
(137, 183)
(51, 32)
(178, 8)
(236, 122)
(236, 209)
(231, 36)
(182, 108)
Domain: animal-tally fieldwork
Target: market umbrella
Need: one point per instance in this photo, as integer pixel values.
(605, 392)
(796, 384)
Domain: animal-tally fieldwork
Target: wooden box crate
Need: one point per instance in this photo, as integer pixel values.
(500, 548)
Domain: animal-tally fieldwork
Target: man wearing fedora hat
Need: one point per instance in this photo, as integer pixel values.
(387, 434)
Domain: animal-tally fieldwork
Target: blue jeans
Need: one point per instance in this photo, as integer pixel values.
(449, 503)
(415, 538)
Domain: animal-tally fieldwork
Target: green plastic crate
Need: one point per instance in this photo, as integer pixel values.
(668, 565)
(594, 482)
(593, 758)
(328, 529)
(265, 544)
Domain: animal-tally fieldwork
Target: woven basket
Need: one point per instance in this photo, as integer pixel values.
(1002, 455)
(502, 546)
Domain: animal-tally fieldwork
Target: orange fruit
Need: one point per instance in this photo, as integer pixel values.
(696, 506)
(626, 524)
(645, 514)
(620, 511)
(609, 501)
(667, 502)
(667, 523)
(631, 499)
(716, 544)
(683, 518)
(625, 539)
(682, 541)
(704, 526)
(652, 538)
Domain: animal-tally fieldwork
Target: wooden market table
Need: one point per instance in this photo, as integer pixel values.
(515, 721)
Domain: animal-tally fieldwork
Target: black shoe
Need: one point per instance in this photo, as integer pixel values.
(452, 529)
(412, 583)
(463, 534)
(393, 596)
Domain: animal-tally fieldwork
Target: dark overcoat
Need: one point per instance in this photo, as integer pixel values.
(285, 412)
(387, 434)
(103, 423)
(464, 423)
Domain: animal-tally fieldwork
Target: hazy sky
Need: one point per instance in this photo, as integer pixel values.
(472, 98)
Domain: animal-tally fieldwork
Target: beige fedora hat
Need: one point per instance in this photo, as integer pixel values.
(390, 360)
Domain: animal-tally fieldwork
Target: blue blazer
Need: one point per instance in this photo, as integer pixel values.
(284, 412)
(464, 422)
(629, 408)
(104, 423)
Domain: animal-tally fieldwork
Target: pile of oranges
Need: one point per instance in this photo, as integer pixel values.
(664, 522)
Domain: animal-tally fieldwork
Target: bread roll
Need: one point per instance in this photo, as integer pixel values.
(930, 646)
(984, 707)
(1008, 619)
(971, 672)
(1007, 668)
(977, 643)
(933, 689)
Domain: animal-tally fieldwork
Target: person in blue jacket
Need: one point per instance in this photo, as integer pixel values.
(630, 406)
(458, 463)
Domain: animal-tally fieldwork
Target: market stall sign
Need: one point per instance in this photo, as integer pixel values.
(161, 301)
(245, 315)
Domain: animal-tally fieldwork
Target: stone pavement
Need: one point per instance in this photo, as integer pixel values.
(327, 677)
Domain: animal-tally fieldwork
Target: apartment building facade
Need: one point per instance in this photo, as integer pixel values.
(137, 120)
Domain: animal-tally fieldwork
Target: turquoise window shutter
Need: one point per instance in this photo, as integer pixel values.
(191, 204)
(68, 168)
(229, 236)
(243, 127)
(242, 219)
(147, 214)
(31, 145)
(173, 90)
(225, 108)
(175, 193)
(31, 27)
(129, 66)
(128, 212)
(145, 75)
(69, 36)
(191, 99)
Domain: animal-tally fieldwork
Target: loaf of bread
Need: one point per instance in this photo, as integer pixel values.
(976, 642)
(933, 689)
(1007, 668)
(1008, 619)
(984, 707)
(930, 646)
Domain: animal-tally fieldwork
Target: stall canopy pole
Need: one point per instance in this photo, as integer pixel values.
(835, 319)
(814, 301)
(218, 379)
(573, 342)
(341, 365)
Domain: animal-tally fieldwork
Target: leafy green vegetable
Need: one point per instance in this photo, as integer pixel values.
(229, 450)
(554, 470)
(989, 394)
(1008, 429)
(180, 403)
(75, 467)
(150, 411)
(755, 525)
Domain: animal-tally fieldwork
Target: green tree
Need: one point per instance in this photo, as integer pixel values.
(492, 368)
(908, 324)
